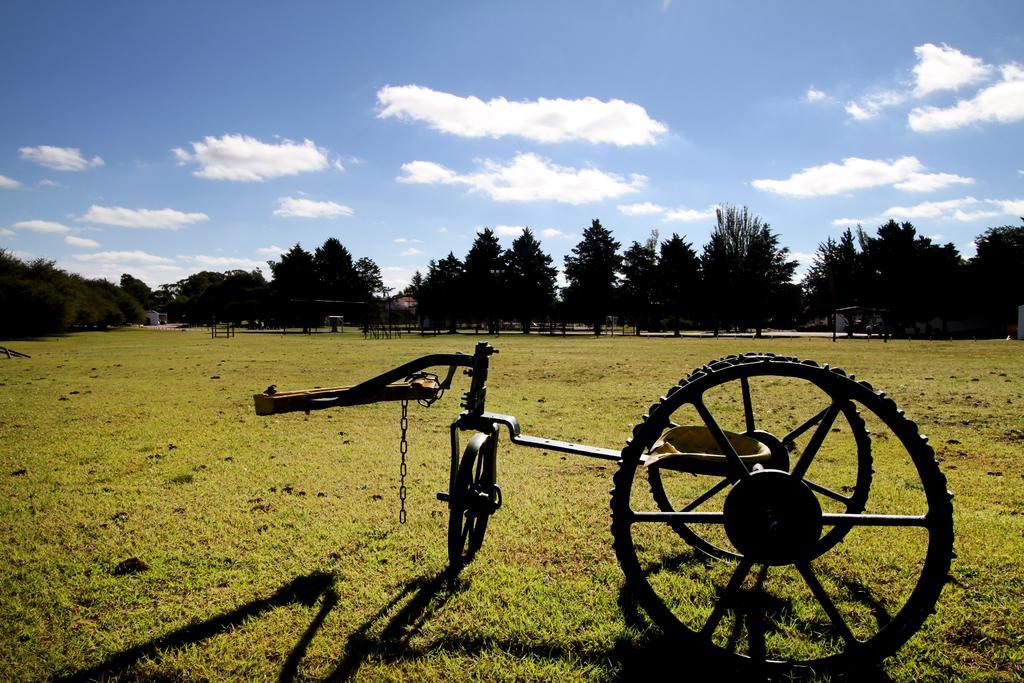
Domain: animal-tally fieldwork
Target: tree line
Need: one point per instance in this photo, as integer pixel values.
(915, 280)
(740, 279)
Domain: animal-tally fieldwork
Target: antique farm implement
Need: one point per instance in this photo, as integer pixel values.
(759, 497)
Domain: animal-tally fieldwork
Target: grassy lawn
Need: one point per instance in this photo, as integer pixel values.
(272, 543)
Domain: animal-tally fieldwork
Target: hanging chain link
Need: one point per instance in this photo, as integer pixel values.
(403, 448)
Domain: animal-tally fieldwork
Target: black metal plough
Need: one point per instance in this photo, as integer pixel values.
(754, 500)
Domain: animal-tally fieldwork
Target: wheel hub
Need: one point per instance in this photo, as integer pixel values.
(772, 518)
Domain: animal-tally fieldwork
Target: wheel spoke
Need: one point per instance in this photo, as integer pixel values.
(793, 435)
(707, 494)
(727, 596)
(827, 491)
(816, 440)
(730, 453)
(874, 520)
(748, 408)
(680, 517)
(826, 602)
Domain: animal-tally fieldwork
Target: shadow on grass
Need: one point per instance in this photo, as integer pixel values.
(423, 597)
(386, 636)
(305, 590)
(755, 613)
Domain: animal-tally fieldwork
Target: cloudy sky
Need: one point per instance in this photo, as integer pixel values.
(161, 139)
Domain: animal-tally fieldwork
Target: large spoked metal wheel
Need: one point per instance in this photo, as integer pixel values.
(848, 480)
(815, 577)
(474, 497)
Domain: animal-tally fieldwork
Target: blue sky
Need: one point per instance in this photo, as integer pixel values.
(161, 139)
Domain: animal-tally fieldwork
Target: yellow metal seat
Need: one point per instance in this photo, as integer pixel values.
(680, 448)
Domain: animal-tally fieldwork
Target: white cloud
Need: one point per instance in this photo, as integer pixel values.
(293, 207)
(407, 240)
(963, 210)
(853, 173)
(272, 250)
(59, 158)
(814, 95)
(81, 242)
(871, 105)
(1002, 102)
(8, 183)
(509, 230)
(426, 173)
(946, 68)
(644, 209)
(411, 251)
(4, 232)
(398, 277)
(1010, 207)
(929, 182)
(615, 122)
(953, 209)
(560, 279)
(42, 226)
(224, 262)
(245, 159)
(165, 219)
(139, 257)
(152, 269)
(46, 182)
(552, 232)
(683, 214)
(528, 178)
(804, 261)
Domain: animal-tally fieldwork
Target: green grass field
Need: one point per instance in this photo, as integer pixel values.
(274, 552)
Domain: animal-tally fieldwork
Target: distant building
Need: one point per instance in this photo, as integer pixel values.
(404, 303)
(155, 318)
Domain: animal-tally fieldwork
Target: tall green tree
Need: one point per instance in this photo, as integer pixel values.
(835, 278)
(744, 269)
(639, 289)
(678, 278)
(995, 275)
(591, 270)
(530, 280)
(441, 293)
(909, 276)
(335, 271)
(484, 277)
(138, 289)
(369, 278)
(294, 286)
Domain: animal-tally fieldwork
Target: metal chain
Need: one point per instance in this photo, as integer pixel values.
(403, 448)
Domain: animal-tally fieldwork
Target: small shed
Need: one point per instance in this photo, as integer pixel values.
(156, 318)
(1020, 322)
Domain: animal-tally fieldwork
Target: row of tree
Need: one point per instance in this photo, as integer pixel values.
(303, 283)
(915, 280)
(742, 278)
(38, 298)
